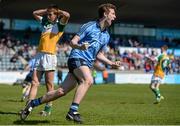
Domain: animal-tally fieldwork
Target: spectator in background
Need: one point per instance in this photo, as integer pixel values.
(1, 26)
(94, 75)
(14, 58)
(138, 64)
(105, 76)
(147, 67)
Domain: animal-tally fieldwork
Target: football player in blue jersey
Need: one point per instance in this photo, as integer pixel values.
(26, 84)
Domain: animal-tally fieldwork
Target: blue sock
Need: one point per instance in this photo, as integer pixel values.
(74, 107)
(36, 102)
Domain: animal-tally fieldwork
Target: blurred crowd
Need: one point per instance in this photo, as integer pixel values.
(132, 58)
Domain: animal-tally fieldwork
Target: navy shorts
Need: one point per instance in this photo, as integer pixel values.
(74, 63)
(29, 77)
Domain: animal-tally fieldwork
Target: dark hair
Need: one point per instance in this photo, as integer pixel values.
(53, 7)
(165, 47)
(105, 8)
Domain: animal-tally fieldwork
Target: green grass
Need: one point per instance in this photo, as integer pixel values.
(103, 105)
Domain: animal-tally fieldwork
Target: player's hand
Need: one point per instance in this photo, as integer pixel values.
(84, 46)
(116, 64)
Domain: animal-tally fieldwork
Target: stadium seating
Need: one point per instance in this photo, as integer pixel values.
(131, 54)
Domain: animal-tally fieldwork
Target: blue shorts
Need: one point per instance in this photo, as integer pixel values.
(74, 63)
(29, 77)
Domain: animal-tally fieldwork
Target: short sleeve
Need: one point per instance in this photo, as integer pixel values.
(40, 20)
(84, 30)
(61, 27)
(158, 58)
(43, 20)
(105, 48)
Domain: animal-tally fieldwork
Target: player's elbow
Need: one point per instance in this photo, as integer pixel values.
(66, 14)
(34, 13)
(100, 55)
(73, 44)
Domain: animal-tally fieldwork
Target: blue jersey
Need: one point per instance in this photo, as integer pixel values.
(31, 63)
(97, 39)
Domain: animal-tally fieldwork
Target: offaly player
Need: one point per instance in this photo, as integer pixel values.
(53, 21)
(163, 64)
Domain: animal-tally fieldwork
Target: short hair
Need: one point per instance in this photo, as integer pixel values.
(53, 8)
(165, 47)
(105, 8)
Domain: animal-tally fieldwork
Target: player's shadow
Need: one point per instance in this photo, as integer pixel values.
(12, 100)
(31, 122)
(177, 123)
(138, 103)
(11, 113)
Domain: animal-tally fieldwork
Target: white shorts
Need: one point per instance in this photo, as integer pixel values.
(156, 79)
(45, 62)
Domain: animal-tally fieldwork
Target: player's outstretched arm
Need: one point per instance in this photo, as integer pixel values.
(151, 59)
(105, 60)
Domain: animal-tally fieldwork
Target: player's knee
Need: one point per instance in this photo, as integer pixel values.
(89, 81)
(50, 86)
(60, 92)
(49, 83)
(152, 86)
(35, 83)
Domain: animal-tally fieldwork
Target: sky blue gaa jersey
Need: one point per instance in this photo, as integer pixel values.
(97, 39)
(31, 63)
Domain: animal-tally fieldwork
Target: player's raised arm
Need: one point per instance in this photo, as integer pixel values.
(64, 16)
(39, 13)
(151, 59)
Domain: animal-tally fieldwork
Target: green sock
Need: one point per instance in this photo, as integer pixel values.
(157, 93)
(154, 91)
(47, 108)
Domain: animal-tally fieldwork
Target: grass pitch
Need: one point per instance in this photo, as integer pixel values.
(103, 105)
